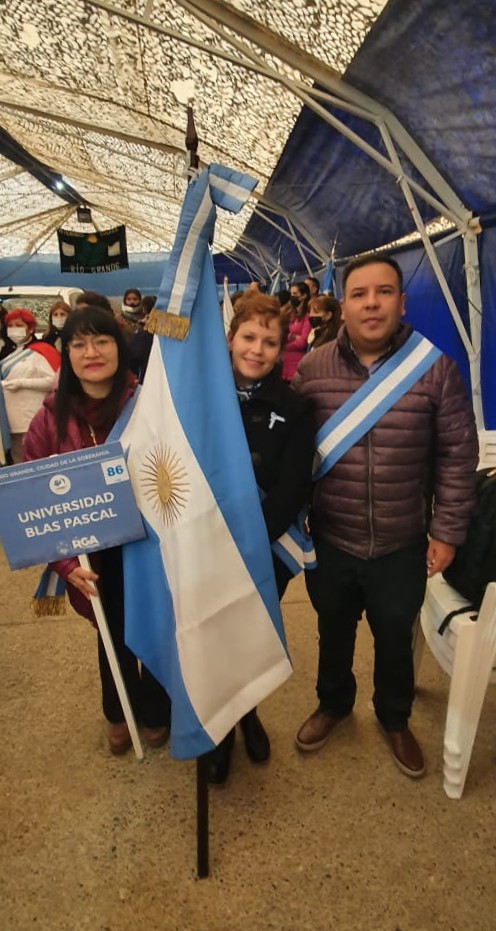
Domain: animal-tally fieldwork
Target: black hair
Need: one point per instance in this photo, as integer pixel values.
(372, 258)
(305, 292)
(148, 302)
(283, 296)
(93, 299)
(131, 291)
(70, 397)
(314, 281)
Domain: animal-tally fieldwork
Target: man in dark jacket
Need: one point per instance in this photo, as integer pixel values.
(409, 475)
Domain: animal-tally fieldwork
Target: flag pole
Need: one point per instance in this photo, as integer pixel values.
(201, 816)
(103, 629)
(191, 142)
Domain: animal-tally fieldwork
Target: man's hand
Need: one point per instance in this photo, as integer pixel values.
(81, 579)
(439, 556)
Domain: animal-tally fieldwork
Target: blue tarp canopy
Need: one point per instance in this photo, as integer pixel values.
(433, 65)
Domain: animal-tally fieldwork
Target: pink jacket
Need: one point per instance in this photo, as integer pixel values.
(296, 346)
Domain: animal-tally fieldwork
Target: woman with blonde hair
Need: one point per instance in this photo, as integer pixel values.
(57, 316)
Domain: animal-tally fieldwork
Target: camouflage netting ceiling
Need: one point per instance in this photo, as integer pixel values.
(97, 91)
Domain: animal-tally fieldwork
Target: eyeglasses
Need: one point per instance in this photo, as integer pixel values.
(100, 343)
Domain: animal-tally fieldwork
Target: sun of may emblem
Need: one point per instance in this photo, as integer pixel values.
(164, 484)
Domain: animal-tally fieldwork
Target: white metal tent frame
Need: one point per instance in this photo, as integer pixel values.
(446, 201)
(277, 59)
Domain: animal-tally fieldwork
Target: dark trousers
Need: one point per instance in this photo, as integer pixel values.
(390, 589)
(149, 701)
(282, 574)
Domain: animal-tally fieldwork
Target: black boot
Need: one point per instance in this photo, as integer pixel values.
(219, 760)
(257, 742)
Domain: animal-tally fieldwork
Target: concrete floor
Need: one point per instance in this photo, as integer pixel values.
(336, 841)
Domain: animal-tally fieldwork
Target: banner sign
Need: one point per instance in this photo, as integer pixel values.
(93, 252)
(66, 505)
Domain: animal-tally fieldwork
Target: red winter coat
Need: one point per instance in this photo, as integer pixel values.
(42, 440)
(378, 497)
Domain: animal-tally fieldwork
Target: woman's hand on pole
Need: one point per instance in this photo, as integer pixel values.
(82, 579)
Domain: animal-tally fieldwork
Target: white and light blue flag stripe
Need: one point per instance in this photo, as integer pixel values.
(370, 402)
(227, 307)
(202, 610)
(215, 187)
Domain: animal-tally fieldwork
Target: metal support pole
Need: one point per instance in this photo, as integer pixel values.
(472, 277)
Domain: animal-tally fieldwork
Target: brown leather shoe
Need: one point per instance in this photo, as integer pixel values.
(406, 752)
(156, 736)
(119, 738)
(316, 730)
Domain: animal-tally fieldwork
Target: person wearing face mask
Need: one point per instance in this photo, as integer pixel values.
(299, 329)
(324, 314)
(59, 313)
(131, 312)
(27, 374)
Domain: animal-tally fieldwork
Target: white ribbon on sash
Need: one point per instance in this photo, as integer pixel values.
(372, 400)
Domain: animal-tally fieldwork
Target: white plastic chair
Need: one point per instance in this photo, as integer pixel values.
(487, 449)
(467, 652)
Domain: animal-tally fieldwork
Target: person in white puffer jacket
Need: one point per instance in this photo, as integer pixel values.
(26, 375)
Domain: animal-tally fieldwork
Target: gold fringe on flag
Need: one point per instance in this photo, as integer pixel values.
(166, 324)
(49, 606)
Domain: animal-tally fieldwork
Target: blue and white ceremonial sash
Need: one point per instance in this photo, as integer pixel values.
(361, 411)
(11, 361)
(201, 605)
(295, 547)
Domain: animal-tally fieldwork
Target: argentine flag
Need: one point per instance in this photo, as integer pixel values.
(201, 605)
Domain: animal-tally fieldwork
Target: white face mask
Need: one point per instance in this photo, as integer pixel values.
(17, 334)
(58, 322)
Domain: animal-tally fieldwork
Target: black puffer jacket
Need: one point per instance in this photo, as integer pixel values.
(378, 497)
(279, 431)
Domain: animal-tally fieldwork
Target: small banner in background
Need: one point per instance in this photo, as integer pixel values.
(93, 252)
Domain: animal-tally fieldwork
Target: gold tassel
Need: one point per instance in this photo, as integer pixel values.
(166, 324)
(49, 606)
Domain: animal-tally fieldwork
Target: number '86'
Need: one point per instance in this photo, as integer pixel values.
(114, 470)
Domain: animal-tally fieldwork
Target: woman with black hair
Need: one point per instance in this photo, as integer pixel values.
(94, 386)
